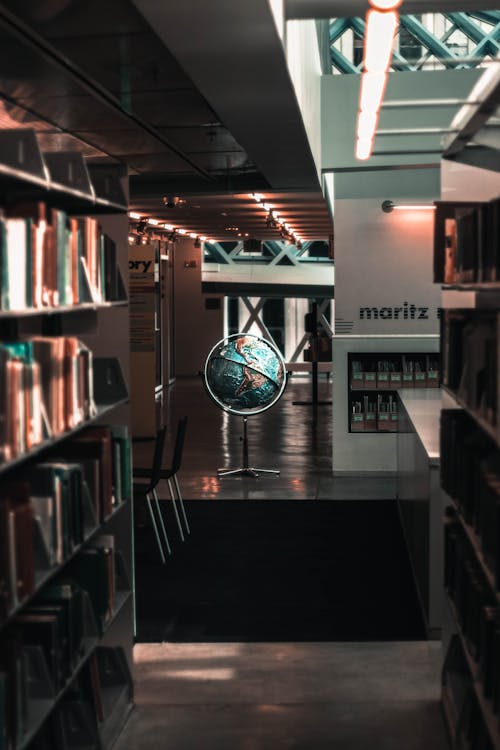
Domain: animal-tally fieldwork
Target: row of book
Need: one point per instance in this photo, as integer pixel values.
(49, 259)
(79, 717)
(470, 474)
(49, 511)
(476, 607)
(467, 242)
(369, 414)
(466, 720)
(382, 372)
(469, 354)
(46, 388)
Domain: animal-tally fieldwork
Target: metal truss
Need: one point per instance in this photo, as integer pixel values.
(273, 253)
(438, 40)
(255, 312)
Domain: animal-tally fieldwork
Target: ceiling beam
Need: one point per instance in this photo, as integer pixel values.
(300, 9)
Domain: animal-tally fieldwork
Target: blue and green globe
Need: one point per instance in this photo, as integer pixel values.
(245, 374)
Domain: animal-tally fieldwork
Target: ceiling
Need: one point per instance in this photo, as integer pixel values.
(192, 109)
(194, 97)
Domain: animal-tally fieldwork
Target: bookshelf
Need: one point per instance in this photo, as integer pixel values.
(375, 378)
(467, 265)
(66, 563)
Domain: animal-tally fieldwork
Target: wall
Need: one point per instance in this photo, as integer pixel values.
(304, 65)
(382, 261)
(339, 104)
(196, 328)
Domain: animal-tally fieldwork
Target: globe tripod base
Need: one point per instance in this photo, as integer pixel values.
(246, 472)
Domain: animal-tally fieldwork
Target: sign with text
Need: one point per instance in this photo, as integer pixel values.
(142, 297)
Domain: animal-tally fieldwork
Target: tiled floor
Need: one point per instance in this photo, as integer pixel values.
(278, 696)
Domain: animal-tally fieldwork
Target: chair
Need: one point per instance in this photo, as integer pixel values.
(154, 476)
(171, 476)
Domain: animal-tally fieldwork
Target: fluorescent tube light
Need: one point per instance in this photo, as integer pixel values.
(372, 91)
(363, 148)
(379, 39)
(385, 4)
(367, 122)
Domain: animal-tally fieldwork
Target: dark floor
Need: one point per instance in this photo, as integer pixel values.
(236, 695)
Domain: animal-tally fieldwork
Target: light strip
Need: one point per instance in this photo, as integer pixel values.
(382, 21)
(268, 208)
(379, 39)
(389, 206)
(160, 226)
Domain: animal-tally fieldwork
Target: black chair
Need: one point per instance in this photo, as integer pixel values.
(171, 476)
(154, 476)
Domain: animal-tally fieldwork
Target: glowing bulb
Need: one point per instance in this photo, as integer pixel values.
(134, 215)
(372, 91)
(193, 235)
(367, 122)
(153, 222)
(379, 38)
(363, 148)
(385, 4)
(182, 231)
(168, 226)
(203, 238)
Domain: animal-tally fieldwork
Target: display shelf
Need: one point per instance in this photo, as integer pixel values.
(43, 577)
(490, 719)
(47, 706)
(101, 411)
(490, 429)
(60, 178)
(36, 312)
(122, 708)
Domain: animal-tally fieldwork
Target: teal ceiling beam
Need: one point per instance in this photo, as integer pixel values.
(488, 16)
(341, 62)
(398, 62)
(433, 44)
(337, 28)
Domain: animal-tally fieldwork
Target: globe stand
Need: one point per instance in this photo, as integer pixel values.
(245, 470)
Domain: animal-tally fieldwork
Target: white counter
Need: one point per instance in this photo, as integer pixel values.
(423, 408)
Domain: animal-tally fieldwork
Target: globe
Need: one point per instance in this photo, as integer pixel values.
(244, 374)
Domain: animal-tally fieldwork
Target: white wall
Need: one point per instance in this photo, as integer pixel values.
(196, 328)
(382, 260)
(304, 64)
(339, 105)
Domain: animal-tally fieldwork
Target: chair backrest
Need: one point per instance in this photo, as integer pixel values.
(158, 457)
(179, 445)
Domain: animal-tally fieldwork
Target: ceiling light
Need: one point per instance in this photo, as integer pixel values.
(153, 222)
(389, 206)
(379, 39)
(363, 148)
(134, 215)
(181, 231)
(367, 123)
(168, 226)
(385, 4)
(372, 90)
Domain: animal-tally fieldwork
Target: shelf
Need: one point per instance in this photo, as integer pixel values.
(62, 310)
(45, 576)
(474, 540)
(490, 429)
(59, 178)
(48, 706)
(122, 597)
(490, 719)
(102, 410)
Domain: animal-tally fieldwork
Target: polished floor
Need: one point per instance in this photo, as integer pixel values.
(278, 696)
(295, 439)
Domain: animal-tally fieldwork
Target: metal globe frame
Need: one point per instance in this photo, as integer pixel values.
(245, 469)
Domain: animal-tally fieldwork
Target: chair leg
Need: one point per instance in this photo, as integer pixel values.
(155, 528)
(174, 504)
(162, 524)
(181, 503)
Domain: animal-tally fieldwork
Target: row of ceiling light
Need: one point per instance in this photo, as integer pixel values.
(143, 224)
(382, 21)
(274, 221)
